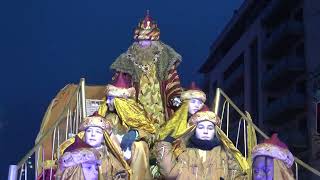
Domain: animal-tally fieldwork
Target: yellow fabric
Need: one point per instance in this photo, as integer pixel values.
(133, 115)
(233, 150)
(110, 166)
(109, 144)
(190, 164)
(150, 96)
(103, 108)
(281, 172)
(252, 141)
(140, 161)
(69, 141)
(177, 125)
(55, 112)
(117, 126)
(49, 164)
(117, 154)
(203, 155)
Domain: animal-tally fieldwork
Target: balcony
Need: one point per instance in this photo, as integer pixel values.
(233, 85)
(283, 73)
(282, 38)
(285, 108)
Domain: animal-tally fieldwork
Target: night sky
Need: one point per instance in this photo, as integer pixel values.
(45, 45)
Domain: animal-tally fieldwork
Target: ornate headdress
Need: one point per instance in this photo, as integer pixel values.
(78, 156)
(120, 88)
(97, 121)
(147, 29)
(204, 115)
(273, 147)
(77, 153)
(193, 93)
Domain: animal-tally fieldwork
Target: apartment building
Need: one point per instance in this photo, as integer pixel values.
(265, 59)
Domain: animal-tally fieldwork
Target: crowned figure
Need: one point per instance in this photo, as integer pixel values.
(150, 65)
(272, 160)
(206, 154)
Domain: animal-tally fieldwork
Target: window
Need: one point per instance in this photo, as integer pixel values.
(300, 50)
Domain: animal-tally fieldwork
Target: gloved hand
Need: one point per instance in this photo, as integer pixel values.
(128, 140)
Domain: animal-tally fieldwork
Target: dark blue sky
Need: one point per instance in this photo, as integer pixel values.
(46, 44)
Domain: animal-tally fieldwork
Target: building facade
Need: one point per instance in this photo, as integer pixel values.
(265, 60)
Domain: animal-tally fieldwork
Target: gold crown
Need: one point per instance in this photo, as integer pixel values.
(193, 94)
(147, 29)
(97, 121)
(204, 116)
(266, 149)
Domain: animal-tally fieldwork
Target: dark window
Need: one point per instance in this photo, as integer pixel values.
(302, 123)
(271, 99)
(298, 16)
(300, 50)
(269, 67)
(301, 87)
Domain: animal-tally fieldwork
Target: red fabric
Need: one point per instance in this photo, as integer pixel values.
(204, 108)
(274, 140)
(146, 19)
(175, 90)
(121, 81)
(96, 114)
(78, 143)
(194, 86)
(45, 175)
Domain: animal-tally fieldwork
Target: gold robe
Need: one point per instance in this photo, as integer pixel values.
(195, 164)
(152, 71)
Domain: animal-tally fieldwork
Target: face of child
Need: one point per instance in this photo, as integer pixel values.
(94, 136)
(205, 130)
(90, 170)
(263, 168)
(195, 105)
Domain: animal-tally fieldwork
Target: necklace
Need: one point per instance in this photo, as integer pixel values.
(145, 68)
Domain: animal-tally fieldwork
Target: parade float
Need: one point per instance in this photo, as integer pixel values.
(139, 114)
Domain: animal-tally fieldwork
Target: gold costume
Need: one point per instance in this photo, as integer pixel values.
(130, 115)
(197, 164)
(151, 70)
